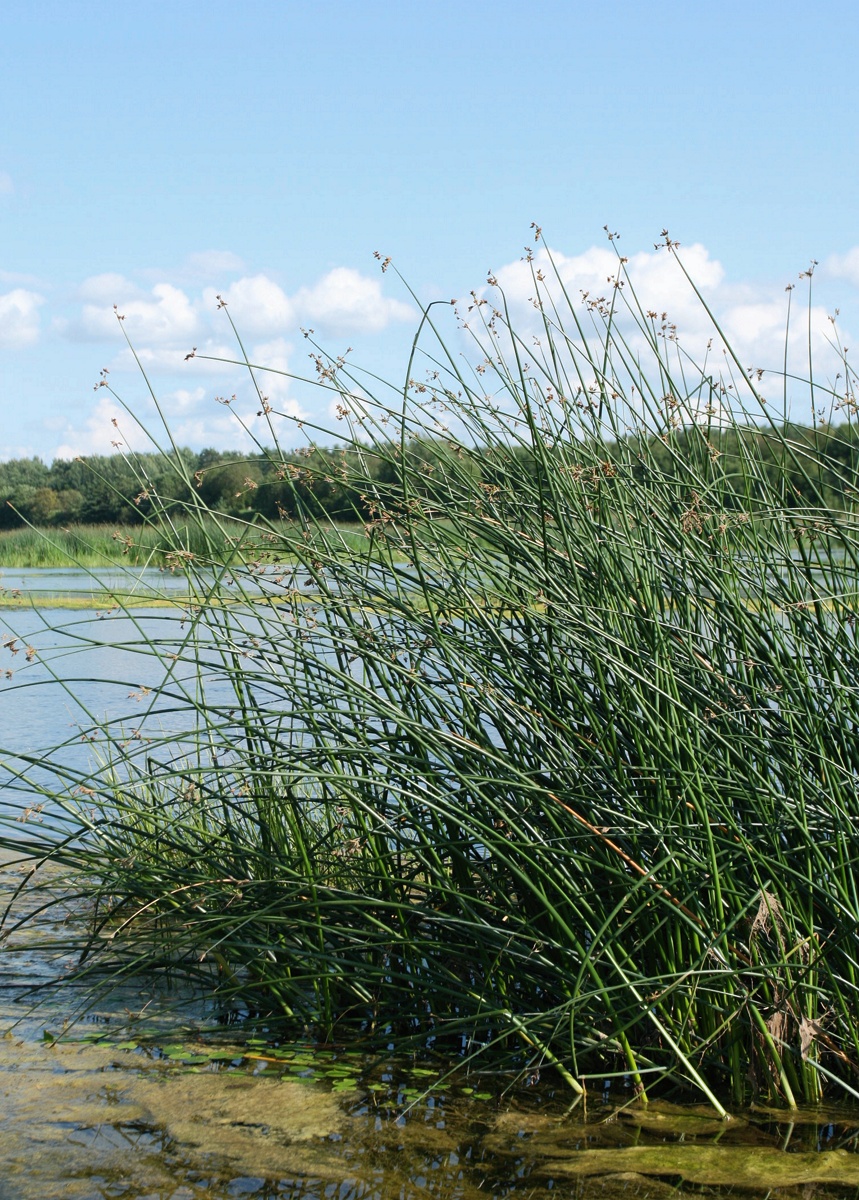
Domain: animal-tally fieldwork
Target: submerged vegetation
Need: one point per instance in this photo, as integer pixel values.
(558, 766)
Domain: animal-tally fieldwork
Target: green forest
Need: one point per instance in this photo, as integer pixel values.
(813, 466)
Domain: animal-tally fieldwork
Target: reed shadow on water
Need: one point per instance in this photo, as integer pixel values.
(555, 767)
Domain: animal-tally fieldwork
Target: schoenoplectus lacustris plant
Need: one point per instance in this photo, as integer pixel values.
(557, 765)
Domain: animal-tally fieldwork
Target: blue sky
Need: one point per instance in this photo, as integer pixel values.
(152, 155)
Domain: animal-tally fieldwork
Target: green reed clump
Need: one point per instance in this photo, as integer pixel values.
(561, 764)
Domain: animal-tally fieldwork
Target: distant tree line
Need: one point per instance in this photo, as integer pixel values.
(813, 467)
(124, 490)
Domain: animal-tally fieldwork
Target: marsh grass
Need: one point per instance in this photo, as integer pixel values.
(559, 766)
(91, 546)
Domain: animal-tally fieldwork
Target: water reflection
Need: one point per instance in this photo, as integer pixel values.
(179, 1114)
(85, 685)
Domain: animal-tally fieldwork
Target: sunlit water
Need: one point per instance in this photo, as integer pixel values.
(99, 1120)
(44, 582)
(129, 1100)
(67, 674)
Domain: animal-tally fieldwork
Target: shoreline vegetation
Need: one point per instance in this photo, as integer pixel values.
(110, 506)
(807, 464)
(90, 547)
(553, 767)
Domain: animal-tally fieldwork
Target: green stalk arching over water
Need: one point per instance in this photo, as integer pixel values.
(564, 758)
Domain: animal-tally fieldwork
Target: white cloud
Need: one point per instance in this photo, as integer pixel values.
(184, 400)
(22, 278)
(657, 279)
(197, 419)
(257, 304)
(166, 319)
(752, 317)
(169, 318)
(759, 327)
(107, 429)
(172, 359)
(108, 289)
(203, 266)
(273, 381)
(239, 426)
(355, 408)
(345, 301)
(21, 450)
(193, 415)
(19, 317)
(844, 266)
(165, 316)
(274, 354)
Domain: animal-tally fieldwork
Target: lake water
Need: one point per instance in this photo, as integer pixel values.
(75, 661)
(41, 582)
(133, 1102)
(64, 672)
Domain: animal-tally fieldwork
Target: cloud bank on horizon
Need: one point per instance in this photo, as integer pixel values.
(167, 313)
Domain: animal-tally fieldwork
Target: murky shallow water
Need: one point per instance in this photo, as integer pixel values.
(128, 1103)
(99, 1121)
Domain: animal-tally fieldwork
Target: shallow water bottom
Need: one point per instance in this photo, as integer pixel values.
(173, 1114)
(91, 1121)
(81, 1121)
